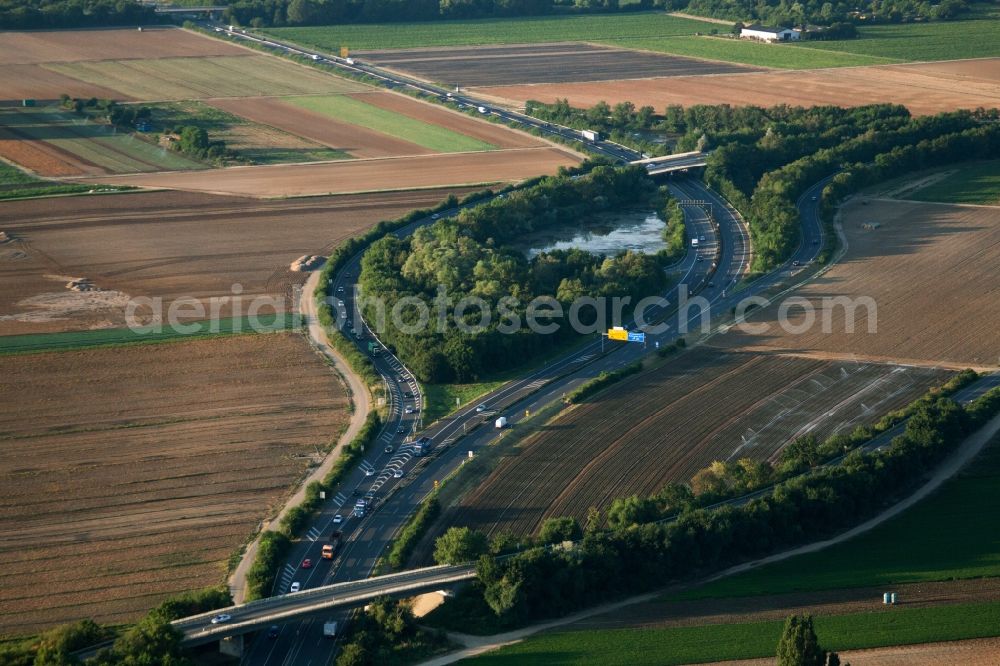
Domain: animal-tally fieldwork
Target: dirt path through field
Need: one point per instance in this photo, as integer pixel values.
(476, 645)
(359, 396)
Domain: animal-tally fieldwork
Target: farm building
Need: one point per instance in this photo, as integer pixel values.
(763, 34)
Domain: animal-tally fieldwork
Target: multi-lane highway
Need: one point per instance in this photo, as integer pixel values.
(392, 477)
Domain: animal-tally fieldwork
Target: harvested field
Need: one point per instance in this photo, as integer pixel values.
(168, 245)
(138, 473)
(924, 88)
(361, 175)
(933, 271)
(972, 652)
(18, 82)
(201, 78)
(71, 142)
(666, 424)
(548, 63)
(32, 47)
(357, 141)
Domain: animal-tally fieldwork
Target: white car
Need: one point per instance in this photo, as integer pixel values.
(219, 619)
(480, 408)
(369, 472)
(408, 410)
(398, 474)
(435, 216)
(338, 519)
(295, 587)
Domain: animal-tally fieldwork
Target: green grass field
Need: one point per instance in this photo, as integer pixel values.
(350, 110)
(687, 645)
(976, 37)
(495, 31)
(39, 342)
(955, 533)
(118, 152)
(15, 184)
(745, 52)
(977, 183)
(199, 78)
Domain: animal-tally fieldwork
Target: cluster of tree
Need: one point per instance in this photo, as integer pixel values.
(117, 114)
(25, 14)
(623, 122)
(649, 543)
(261, 13)
(387, 633)
(152, 641)
(194, 141)
(469, 259)
(825, 12)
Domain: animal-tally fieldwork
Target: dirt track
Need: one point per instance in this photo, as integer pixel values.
(453, 170)
(924, 88)
(32, 47)
(136, 474)
(167, 244)
(542, 63)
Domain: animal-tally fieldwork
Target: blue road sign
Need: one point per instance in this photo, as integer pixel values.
(636, 336)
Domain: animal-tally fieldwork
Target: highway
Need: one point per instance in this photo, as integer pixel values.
(396, 480)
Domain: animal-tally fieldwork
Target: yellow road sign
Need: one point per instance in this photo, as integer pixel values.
(618, 334)
(344, 52)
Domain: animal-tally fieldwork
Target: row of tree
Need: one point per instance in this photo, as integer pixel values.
(825, 12)
(25, 14)
(470, 257)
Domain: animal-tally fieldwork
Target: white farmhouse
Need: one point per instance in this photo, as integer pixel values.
(759, 32)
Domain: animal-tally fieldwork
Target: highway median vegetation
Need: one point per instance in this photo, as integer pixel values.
(471, 257)
(414, 530)
(660, 540)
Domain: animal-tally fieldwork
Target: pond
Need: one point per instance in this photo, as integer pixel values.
(639, 231)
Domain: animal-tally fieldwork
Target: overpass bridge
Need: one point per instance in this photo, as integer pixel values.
(671, 163)
(317, 602)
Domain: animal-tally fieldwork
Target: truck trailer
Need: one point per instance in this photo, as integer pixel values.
(591, 135)
(330, 629)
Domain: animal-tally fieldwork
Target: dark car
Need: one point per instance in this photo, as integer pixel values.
(273, 631)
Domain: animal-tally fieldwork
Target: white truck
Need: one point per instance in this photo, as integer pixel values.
(694, 242)
(483, 109)
(330, 629)
(590, 135)
(501, 422)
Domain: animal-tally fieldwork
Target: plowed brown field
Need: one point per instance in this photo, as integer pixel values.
(932, 270)
(671, 421)
(25, 48)
(167, 244)
(136, 475)
(923, 88)
(454, 169)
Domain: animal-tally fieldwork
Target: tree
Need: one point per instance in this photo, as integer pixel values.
(557, 530)
(798, 645)
(460, 544)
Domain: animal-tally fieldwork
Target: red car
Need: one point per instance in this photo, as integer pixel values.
(307, 563)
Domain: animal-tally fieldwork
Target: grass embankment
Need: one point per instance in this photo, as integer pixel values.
(953, 534)
(685, 645)
(977, 183)
(441, 400)
(15, 184)
(356, 112)
(38, 342)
